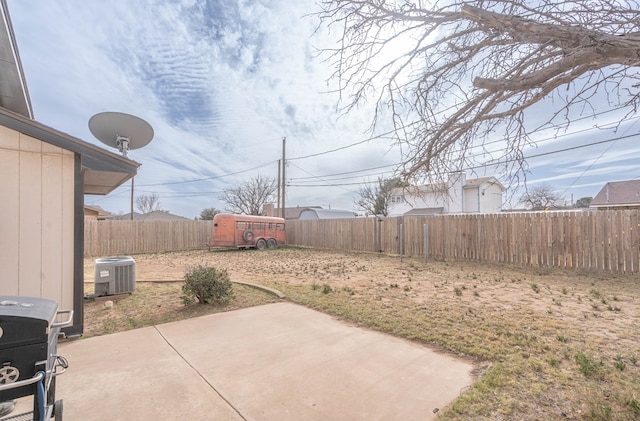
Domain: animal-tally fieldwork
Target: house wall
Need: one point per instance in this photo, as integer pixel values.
(427, 200)
(490, 198)
(455, 192)
(37, 219)
(472, 202)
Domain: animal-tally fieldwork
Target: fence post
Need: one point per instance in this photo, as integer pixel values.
(377, 234)
(425, 228)
(401, 242)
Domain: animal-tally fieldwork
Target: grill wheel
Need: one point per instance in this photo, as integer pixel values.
(8, 375)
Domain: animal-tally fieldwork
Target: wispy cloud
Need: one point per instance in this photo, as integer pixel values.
(221, 82)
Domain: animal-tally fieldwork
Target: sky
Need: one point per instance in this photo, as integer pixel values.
(223, 82)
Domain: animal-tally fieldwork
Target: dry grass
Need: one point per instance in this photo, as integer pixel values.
(549, 344)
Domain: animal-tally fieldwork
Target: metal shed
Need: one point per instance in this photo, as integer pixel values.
(314, 213)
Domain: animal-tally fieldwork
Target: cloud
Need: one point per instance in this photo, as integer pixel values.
(222, 82)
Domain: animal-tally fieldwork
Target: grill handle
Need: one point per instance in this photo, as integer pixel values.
(63, 323)
(36, 378)
(61, 363)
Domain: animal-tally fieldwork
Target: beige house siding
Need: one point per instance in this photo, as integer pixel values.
(37, 218)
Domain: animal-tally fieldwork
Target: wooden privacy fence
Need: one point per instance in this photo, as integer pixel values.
(591, 240)
(111, 238)
(606, 241)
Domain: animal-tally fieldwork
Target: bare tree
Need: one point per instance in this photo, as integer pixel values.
(374, 199)
(148, 203)
(454, 76)
(541, 197)
(249, 198)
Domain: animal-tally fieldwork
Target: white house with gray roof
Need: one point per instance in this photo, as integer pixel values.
(457, 195)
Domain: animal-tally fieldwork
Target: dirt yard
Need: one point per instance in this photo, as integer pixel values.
(548, 344)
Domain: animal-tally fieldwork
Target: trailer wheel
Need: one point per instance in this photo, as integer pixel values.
(271, 243)
(261, 244)
(248, 236)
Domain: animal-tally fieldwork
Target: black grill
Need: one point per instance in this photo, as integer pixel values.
(29, 363)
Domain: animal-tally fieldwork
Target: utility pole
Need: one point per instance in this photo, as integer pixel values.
(284, 182)
(132, 198)
(278, 202)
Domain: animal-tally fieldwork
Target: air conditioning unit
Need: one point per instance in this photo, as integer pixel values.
(115, 275)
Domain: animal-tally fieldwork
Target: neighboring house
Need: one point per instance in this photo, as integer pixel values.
(96, 213)
(315, 213)
(458, 195)
(618, 195)
(157, 215)
(290, 213)
(44, 175)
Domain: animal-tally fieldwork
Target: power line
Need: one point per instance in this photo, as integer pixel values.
(382, 136)
(346, 172)
(595, 161)
(209, 178)
(303, 170)
(385, 134)
(552, 152)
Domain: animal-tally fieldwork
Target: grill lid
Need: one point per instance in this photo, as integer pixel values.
(25, 320)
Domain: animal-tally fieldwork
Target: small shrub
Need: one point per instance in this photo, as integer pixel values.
(315, 286)
(348, 290)
(604, 413)
(326, 289)
(206, 285)
(458, 291)
(535, 288)
(588, 366)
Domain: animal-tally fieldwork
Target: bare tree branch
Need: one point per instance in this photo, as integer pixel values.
(455, 75)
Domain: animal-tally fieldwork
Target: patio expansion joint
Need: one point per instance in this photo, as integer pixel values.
(200, 374)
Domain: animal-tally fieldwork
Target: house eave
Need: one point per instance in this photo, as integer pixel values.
(14, 95)
(103, 171)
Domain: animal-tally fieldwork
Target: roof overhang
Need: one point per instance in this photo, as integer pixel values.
(103, 171)
(14, 95)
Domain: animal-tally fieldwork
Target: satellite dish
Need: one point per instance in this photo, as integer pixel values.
(120, 130)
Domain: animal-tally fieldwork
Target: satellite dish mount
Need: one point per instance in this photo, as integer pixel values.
(123, 144)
